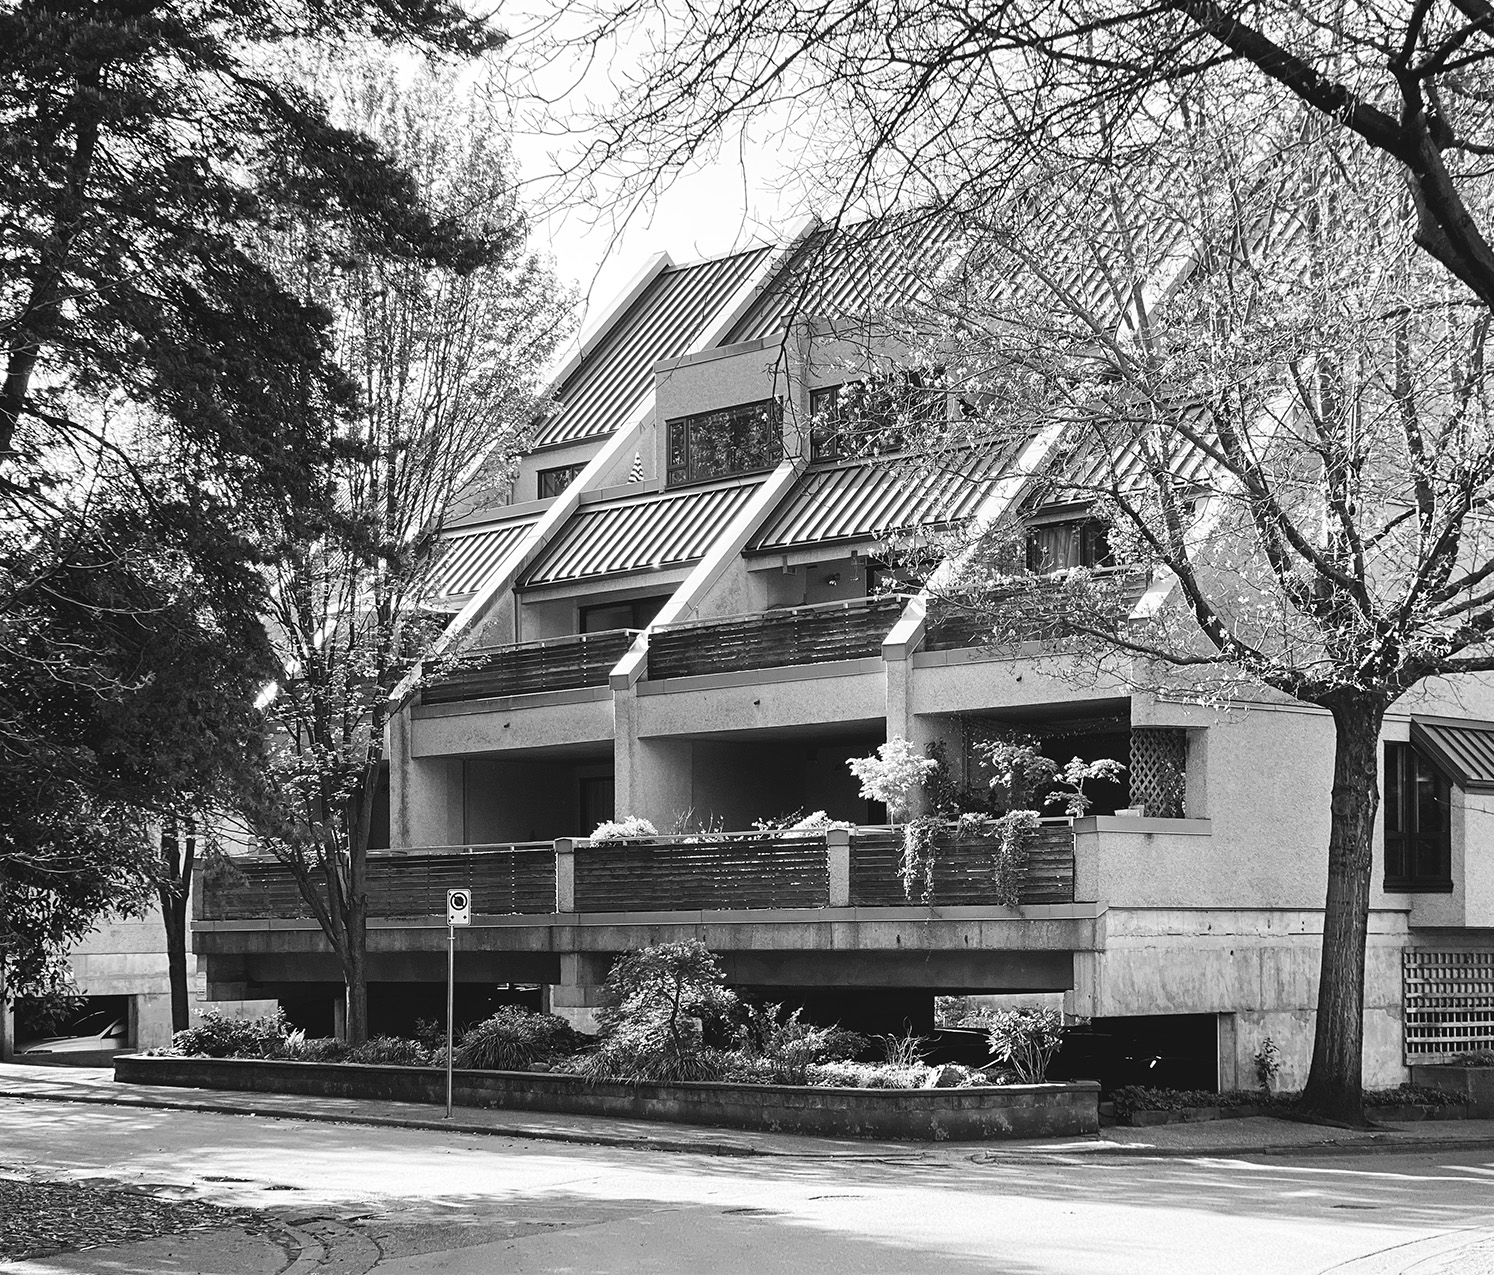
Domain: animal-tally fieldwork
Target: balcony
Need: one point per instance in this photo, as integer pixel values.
(816, 634)
(1036, 610)
(552, 664)
(402, 885)
(737, 872)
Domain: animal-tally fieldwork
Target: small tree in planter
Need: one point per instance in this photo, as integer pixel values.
(1026, 1040)
(891, 776)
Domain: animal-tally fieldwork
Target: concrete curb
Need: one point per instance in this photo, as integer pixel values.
(454, 1125)
(1356, 1144)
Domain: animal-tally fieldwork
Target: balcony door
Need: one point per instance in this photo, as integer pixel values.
(598, 798)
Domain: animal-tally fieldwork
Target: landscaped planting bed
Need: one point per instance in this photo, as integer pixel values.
(1141, 1107)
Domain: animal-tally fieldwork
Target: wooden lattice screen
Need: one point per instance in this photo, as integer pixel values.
(1159, 766)
(1449, 1002)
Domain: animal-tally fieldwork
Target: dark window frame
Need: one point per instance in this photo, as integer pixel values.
(642, 611)
(856, 419)
(1417, 859)
(571, 472)
(1095, 552)
(692, 455)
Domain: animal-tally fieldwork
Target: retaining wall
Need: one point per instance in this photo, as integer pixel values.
(1010, 1111)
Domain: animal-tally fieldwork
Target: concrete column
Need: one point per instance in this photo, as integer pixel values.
(838, 856)
(565, 874)
(7, 1029)
(579, 993)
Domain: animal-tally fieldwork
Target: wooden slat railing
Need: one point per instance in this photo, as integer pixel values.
(962, 868)
(554, 664)
(688, 873)
(404, 884)
(1034, 611)
(772, 639)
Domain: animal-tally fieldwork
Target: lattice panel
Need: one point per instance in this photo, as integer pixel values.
(1159, 766)
(1449, 1002)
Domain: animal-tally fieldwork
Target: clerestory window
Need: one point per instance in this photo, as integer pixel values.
(721, 444)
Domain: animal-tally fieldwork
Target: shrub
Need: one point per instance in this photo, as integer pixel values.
(1473, 1058)
(1267, 1063)
(392, 1051)
(514, 1038)
(318, 1049)
(660, 1003)
(892, 774)
(219, 1037)
(630, 828)
(781, 1050)
(1026, 1039)
(855, 1075)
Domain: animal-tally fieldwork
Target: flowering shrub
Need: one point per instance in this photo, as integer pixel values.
(217, 1036)
(629, 828)
(891, 776)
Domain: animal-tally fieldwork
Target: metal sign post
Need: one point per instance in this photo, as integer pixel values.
(458, 912)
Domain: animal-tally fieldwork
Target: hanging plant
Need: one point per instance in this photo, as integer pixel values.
(916, 870)
(1014, 833)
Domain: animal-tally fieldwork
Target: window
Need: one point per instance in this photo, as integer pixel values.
(554, 481)
(635, 614)
(874, 416)
(734, 440)
(1418, 826)
(1058, 546)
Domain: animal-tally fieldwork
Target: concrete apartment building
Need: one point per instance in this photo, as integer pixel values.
(681, 615)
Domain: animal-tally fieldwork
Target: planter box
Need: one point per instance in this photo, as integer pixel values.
(1008, 1111)
(1477, 1083)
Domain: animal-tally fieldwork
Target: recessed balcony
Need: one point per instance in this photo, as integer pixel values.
(525, 668)
(815, 634)
(1041, 609)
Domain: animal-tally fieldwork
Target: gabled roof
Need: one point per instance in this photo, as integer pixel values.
(467, 558)
(615, 376)
(872, 499)
(667, 529)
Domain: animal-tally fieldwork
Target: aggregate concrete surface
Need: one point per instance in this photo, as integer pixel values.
(348, 1198)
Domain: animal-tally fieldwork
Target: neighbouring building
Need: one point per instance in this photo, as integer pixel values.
(684, 615)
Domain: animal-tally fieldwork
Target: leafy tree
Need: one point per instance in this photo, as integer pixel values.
(446, 362)
(1249, 236)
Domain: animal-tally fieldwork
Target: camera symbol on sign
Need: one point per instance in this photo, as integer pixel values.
(458, 907)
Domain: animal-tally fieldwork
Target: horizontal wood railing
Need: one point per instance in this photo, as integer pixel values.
(963, 868)
(813, 634)
(687, 873)
(738, 871)
(1037, 610)
(401, 884)
(553, 664)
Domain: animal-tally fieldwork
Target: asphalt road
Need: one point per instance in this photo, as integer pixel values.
(345, 1199)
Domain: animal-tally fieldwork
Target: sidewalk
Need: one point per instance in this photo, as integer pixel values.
(1257, 1135)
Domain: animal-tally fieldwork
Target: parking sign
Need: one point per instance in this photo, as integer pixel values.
(459, 907)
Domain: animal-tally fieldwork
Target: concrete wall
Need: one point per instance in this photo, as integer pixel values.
(525, 800)
(1260, 965)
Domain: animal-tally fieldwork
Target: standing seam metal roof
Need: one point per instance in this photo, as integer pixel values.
(1468, 751)
(662, 530)
(852, 272)
(663, 323)
(873, 498)
(467, 560)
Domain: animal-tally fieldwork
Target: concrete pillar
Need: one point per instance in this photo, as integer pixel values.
(578, 995)
(838, 856)
(7, 1030)
(427, 797)
(565, 875)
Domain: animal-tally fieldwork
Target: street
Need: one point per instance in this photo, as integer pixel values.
(350, 1199)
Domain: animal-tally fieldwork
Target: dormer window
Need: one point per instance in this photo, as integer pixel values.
(1061, 546)
(1418, 822)
(722, 444)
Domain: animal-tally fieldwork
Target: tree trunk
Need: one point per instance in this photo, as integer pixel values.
(1335, 1085)
(174, 890)
(355, 971)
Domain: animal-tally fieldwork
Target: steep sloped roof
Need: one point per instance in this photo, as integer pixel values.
(1465, 749)
(469, 557)
(662, 323)
(667, 529)
(852, 273)
(871, 499)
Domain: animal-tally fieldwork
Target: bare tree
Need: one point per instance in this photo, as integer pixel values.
(446, 363)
